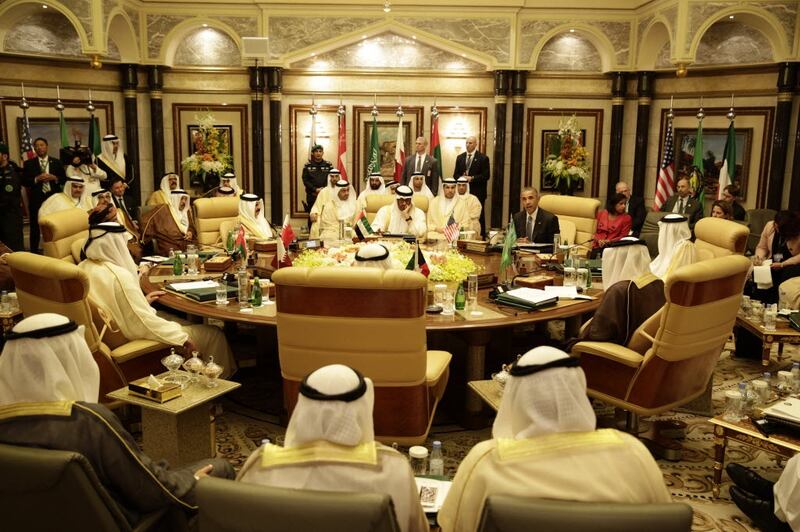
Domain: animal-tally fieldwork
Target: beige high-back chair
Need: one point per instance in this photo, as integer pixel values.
(62, 228)
(45, 284)
(209, 213)
(371, 320)
(715, 237)
(376, 201)
(580, 211)
(672, 355)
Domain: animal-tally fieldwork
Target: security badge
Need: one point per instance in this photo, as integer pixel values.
(9, 188)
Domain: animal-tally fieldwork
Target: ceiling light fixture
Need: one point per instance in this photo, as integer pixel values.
(387, 7)
(730, 17)
(205, 25)
(572, 30)
(44, 6)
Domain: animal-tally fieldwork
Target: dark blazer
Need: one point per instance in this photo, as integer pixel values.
(638, 213)
(693, 210)
(31, 168)
(478, 169)
(545, 226)
(429, 168)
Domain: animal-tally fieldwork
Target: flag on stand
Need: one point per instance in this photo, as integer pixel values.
(727, 174)
(94, 135)
(241, 242)
(312, 135)
(508, 245)
(282, 259)
(451, 229)
(665, 186)
(436, 149)
(341, 160)
(374, 149)
(418, 263)
(26, 143)
(362, 227)
(399, 153)
(696, 181)
(62, 126)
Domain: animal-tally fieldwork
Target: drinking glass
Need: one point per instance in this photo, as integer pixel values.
(733, 406)
(222, 293)
(556, 243)
(770, 317)
(756, 311)
(265, 284)
(5, 302)
(14, 302)
(244, 289)
(570, 276)
(583, 278)
(438, 294)
(745, 305)
(449, 304)
(472, 294)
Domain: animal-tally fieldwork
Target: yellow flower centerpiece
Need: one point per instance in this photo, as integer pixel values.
(568, 162)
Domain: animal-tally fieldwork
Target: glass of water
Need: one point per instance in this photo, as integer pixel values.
(472, 294)
(222, 293)
(449, 304)
(770, 317)
(583, 278)
(570, 276)
(438, 294)
(244, 289)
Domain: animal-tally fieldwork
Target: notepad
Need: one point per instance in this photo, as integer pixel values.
(193, 285)
(432, 493)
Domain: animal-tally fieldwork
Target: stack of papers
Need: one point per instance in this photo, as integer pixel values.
(200, 290)
(432, 493)
(786, 409)
(565, 293)
(527, 298)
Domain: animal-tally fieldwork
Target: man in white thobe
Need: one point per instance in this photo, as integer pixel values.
(474, 207)
(229, 180)
(545, 446)
(112, 159)
(443, 206)
(251, 216)
(401, 217)
(72, 197)
(375, 185)
(675, 248)
(373, 256)
(88, 170)
(114, 287)
(323, 196)
(169, 182)
(419, 187)
(332, 422)
(341, 208)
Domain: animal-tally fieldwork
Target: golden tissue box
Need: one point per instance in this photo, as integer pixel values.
(220, 263)
(266, 246)
(161, 394)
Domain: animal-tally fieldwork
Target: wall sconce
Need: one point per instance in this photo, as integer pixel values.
(95, 63)
(682, 71)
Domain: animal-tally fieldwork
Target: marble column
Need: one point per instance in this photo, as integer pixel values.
(274, 86)
(519, 85)
(619, 86)
(787, 76)
(155, 82)
(644, 91)
(129, 83)
(257, 128)
(499, 158)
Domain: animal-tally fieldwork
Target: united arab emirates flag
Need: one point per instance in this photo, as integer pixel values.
(362, 226)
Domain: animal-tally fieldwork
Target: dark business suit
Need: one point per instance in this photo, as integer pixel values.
(692, 208)
(638, 213)
(429, 168)
(479, 170)
(544, 227)
(36, 195)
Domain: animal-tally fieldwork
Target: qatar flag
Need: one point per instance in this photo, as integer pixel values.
(341, 160)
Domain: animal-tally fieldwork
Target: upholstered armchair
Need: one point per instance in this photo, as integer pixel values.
(228, 506)
(372, 320)
(45, 284)
(60, 230)
(209, 213)
(376, 201)
(672, 355)
(715, 237)
(580, 211)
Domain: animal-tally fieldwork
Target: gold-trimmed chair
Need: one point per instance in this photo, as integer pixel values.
(369, 319)
(60, 229)
(45, 284)
(671, 356)
(580, 211)
(376, 201)
(715, 237)
(210, 213)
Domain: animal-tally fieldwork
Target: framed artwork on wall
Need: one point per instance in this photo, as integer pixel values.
(714, 140)
(50, 129)
(549, 138)
(387, 144)
(387, 138)
(456, 123)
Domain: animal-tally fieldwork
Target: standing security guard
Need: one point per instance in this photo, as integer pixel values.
(10, 202)
(315, 175)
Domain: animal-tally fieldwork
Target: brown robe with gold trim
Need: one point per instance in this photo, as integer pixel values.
(160, 224)
(6, 281)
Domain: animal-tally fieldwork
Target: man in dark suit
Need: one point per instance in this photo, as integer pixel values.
(43, 177)
(532, 224)
(422, 163)
(684, 203)
(474, 165)
(633, 206)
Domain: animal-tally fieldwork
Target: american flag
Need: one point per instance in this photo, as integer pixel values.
(26, 143)
(665, 185)
(451, 230)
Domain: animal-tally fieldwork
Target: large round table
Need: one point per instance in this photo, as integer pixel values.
(476, 330)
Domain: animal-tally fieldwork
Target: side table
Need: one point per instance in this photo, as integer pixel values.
(783, 334)
(179, 430)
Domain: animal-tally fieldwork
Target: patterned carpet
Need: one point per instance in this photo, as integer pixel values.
(242, 427)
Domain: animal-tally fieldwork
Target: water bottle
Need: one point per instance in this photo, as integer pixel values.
(461, 297)
(256, 297)
(746, 398)
(796, 377)
(436, 462)
(177, 264)
(767, 377)
(171, 254)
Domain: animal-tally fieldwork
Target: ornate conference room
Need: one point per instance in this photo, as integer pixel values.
(432, 194)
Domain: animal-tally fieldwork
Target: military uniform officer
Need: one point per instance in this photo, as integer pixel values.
(315, 175)
(10, 198)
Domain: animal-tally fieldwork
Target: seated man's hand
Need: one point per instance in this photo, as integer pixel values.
(314, 217)
(189, 235)
(757, 261)
(189, 346)
(154, 295)
(776, 265)
(523, 240)
(203, 471)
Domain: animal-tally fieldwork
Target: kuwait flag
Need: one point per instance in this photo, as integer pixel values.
(727, 174)
(399, 153)
(418, 263)
(362, 226)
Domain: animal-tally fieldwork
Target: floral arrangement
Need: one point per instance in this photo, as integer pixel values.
(568, 161)
(445, 266)
(211, 150)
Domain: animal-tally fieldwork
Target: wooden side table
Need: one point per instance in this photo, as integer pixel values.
(744, 432)
(783, 334)
(179, 430)
(489, 391)
(9, 319)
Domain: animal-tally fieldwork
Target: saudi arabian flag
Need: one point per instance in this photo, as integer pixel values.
(511, 240)
(727, 174)
(94, 135)
(696, 180)
(374, 149)
(62, 125)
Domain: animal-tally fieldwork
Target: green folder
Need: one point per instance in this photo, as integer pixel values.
(203, 294)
